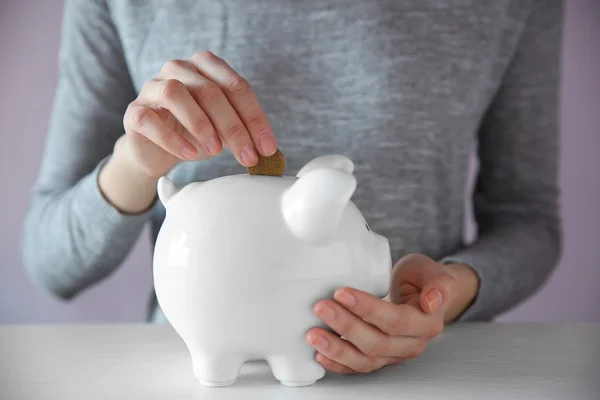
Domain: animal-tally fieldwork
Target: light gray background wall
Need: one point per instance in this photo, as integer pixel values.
(29, 38)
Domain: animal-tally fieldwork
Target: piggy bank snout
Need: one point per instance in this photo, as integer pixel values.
(382, 265)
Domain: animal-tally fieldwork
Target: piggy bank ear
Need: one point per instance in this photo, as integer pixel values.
(314, 205)
(335, 161)
(166, 189)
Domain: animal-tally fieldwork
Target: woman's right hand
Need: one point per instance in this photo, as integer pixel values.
(191, 111)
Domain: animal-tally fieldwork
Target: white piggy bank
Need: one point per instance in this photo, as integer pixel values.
(240, 261)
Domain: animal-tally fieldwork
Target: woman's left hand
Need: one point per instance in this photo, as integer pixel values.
(374, 332)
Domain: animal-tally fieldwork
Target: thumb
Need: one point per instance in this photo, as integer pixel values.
(436, 286)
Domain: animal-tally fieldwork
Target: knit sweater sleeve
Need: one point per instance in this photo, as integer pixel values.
(72, 237)
(516, 196)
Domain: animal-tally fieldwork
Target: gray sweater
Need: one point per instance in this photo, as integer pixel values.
(403, 88)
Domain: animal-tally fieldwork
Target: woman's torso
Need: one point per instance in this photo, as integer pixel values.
(400, 87)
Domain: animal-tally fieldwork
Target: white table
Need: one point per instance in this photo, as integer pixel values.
(469, 361)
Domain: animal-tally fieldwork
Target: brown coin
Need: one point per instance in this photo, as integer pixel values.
(272, 166)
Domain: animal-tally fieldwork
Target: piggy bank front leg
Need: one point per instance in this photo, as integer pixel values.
(296, 367)
(216, 369)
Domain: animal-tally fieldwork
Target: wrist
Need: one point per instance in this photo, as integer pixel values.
(130, 171)
(125, 186)
(468, 288)
(123, 157)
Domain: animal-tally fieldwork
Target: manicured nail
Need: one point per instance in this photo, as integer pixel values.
(345, 298)
(213, 146)
(318, 341)
(326, 313)
(267, 144)
(249, 156)
(189, 152)
(434, 299)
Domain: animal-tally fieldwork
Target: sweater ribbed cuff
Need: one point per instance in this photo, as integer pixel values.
(483, 302)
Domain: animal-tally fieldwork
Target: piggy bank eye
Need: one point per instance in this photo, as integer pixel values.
(367, 225)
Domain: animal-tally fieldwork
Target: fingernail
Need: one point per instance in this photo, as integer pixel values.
(345, 298)
(318, 341)
(213, 146)
(267, 144)
(188, 151)
(249, 156)
(326, 313)
(434, 299)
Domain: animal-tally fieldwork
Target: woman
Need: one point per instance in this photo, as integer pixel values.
(198, 89)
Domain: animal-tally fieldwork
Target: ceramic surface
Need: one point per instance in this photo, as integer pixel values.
(240, 261)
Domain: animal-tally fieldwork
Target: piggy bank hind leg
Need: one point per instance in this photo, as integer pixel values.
(296, 367)
(216, 369)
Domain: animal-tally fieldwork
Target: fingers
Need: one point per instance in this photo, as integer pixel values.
(337, 368)
(344, 355)
(241, 97)
(215, 105)
(366, 337)
(143, 120)
(333, 366)
(173, 95)
(391, 319)
(224, 118)
(414, 269)
(407, 289)
(439, 292)
(437, 286)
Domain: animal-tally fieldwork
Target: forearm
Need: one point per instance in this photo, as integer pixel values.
(74, 238)
(73, 235)
(516, 196)
(511, 261)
